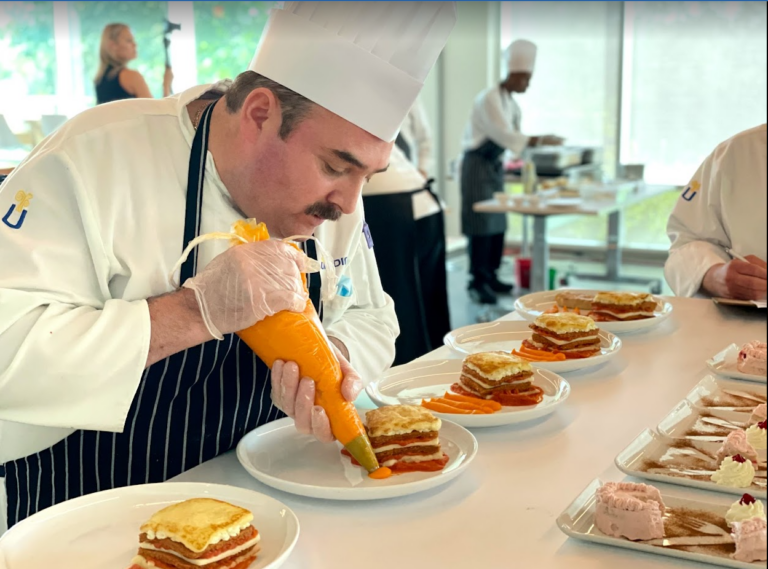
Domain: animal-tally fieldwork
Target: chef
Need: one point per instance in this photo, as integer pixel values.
(722, 208)
(493, 128)
(415, 139)
(109, 374)
(408, 227)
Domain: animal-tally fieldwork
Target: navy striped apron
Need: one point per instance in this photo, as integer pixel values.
(190, 407)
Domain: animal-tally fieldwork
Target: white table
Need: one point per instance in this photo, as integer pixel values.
(613, 206)
(501, 512)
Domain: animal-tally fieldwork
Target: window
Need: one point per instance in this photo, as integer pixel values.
(694, 75)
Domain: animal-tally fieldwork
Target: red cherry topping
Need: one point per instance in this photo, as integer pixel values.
(763, 425)
(739, 458)
(747, 500)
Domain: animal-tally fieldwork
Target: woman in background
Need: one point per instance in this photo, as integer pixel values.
(114, 81)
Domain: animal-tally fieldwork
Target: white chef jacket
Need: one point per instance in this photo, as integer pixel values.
(102, 230)
(402, 176)
(495, 116)
(417, 134)
(722, 207)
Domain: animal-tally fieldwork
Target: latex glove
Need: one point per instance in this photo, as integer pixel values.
(295, 396)
(737, 279)
(247, 283)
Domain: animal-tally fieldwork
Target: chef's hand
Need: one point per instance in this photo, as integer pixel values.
(295, 396)
(249, 282)
(737, 279)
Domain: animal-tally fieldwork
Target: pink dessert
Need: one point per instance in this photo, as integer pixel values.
(752, 358)
(626, 509)
(736, 443)
(750, 539)
(759, 414)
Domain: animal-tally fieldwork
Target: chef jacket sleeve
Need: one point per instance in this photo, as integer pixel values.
(497, 126)
(367, 324)
(695, 228)
(422, 136)
(70, 355)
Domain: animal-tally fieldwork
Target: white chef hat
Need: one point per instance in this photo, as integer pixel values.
(520, 56)
(364, 61)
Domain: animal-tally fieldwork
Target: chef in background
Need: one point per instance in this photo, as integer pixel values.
(408, 228)
(493, 128)
(722, 209)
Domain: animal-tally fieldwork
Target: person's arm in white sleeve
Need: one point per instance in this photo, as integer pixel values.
(492, 120)
(69, 355)
(368, 328)
(422, 137)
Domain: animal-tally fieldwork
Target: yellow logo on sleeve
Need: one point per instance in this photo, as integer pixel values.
(18, 210)
(691, 191)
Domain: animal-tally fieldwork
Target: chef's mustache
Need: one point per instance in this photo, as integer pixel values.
(324, 210)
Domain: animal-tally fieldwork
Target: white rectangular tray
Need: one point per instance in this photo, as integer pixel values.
(724, 363)
(670, 455)
(577, 521)
(689, 422)
(727, 395)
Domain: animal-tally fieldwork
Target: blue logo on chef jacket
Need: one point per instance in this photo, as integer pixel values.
(367, 233)
(336, 263)
(691, 191)
(17, 213)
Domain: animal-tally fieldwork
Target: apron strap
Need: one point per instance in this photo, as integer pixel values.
(195, 181)
(313, 279)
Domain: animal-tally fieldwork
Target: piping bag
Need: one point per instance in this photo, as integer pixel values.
(299, 337)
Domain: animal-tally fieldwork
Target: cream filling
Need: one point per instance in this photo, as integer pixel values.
(221, 535)
(203, 562)
(581, 349)
(502, 372)
(433, 442)
(558, 342)
(489, 385)
(468, 388)
(422, 458)
(623, 315)
(621, 300)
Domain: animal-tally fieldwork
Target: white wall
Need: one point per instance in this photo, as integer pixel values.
(469, 64)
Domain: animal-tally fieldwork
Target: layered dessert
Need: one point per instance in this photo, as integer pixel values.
(201, 532)
(622, 306)
(745, 508)
(759, 414)
(499, 376)
(406, 438)
(575, 299)
(735, 472)
(565, 333)
(736, 443)
(752, 358)
(627, 509)
(749, 538)
(756, 435)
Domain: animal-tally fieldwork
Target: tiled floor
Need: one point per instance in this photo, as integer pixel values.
(465, 312)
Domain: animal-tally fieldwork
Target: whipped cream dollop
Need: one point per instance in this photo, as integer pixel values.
(735, 472)
(756, 436)
(744, 509)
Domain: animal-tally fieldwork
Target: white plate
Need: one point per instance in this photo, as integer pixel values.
(724, 363)
(688, 422)
(531, 306)
(578, 521)
(670, 456)
(277, 455)
(508, 335)
(725, 395)
(101, 530)
(409, 384)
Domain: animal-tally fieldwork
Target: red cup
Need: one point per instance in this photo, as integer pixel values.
(523, 272)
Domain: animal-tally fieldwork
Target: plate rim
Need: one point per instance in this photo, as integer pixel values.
(354, 493)
(564, 389)
(111, 494)
(590, 362)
